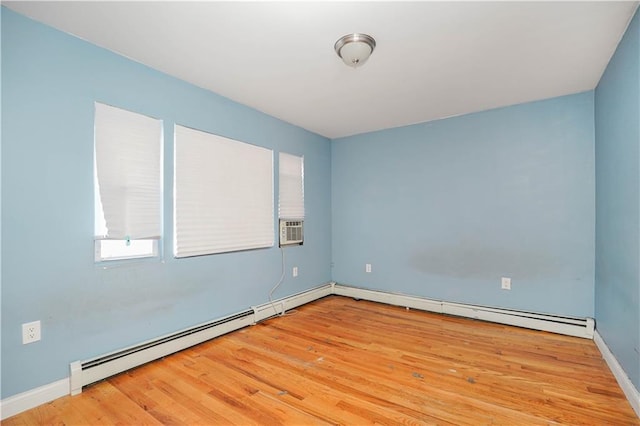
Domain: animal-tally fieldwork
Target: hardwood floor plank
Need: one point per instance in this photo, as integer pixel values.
(389, 386)
(342, 361)
(185, 403)
(315, 403)
(351, 375)
(293, 375)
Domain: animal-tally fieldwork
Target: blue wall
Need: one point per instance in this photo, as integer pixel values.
(617, 119)
(445, 209)
(50, 82)
(440, 209)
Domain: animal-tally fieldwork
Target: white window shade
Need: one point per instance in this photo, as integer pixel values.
(223, 194)
(291, 194)
(128, 151)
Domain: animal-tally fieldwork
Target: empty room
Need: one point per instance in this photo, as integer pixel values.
(320, 213)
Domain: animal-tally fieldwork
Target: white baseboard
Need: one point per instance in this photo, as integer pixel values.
(267, 310)
(32, 398)
(72, 385)
(89, 371)
(632, 394)
(419, 303)
(578, 327)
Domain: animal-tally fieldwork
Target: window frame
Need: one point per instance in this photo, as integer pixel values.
(104, 245)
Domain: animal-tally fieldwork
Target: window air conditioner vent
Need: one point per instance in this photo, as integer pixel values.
(291, 232)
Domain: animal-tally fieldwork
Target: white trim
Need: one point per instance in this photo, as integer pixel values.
(280, 306)
(41, 395)
(389, 298)
(578, 327)
(632, 394)
(72, 385)
(92, 370)
(16, 404)
(113, 367)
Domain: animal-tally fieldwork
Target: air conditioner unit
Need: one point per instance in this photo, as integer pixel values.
(291, 232)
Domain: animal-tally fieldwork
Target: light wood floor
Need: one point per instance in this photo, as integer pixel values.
(341, 361)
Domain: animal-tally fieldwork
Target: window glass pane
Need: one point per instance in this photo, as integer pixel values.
(119, 249)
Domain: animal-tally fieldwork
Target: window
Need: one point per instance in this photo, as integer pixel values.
(291, 196)
(123, 249)
(128, 184)
(223, 198)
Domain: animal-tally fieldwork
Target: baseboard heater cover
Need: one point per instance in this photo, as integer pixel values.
(267, 310)
(84, 373)
(578, 327)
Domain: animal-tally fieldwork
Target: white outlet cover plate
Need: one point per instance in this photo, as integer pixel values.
(506, 283)
(30, 332)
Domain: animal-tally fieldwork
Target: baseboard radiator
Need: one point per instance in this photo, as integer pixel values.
(578, 327)
(84, 373)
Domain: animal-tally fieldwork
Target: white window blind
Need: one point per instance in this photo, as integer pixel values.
(223, 194)
(291, 194)
(128, 151)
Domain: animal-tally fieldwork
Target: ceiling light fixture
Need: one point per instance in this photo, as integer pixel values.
(355, 49)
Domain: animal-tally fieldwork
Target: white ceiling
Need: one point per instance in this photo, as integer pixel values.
(433, 59)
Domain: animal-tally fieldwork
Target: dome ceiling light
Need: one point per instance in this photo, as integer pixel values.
(355, 49)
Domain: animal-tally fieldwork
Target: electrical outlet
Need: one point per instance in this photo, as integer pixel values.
(506, 283)
(30, 332)
(367, 267)
(295, 271)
